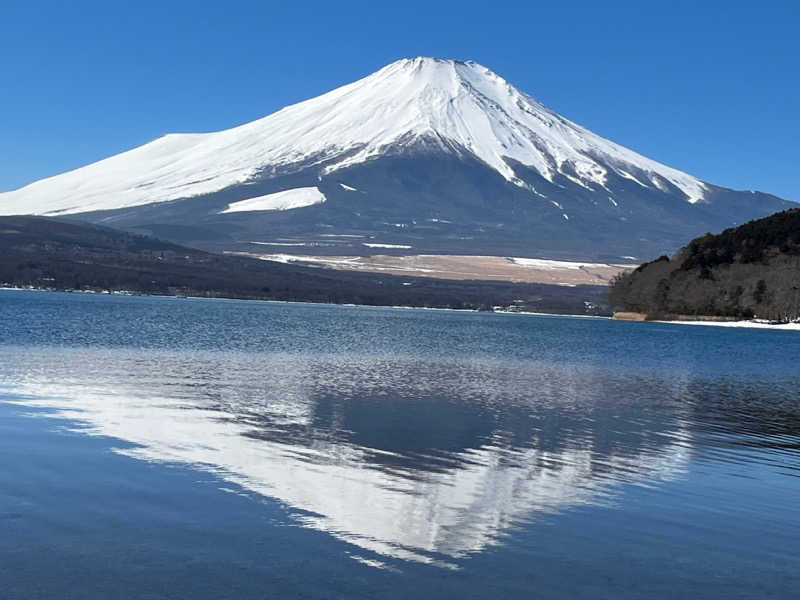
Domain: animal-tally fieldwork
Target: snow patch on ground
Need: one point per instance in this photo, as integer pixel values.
(742, 324)
(285, 200)
(283, 243)
(372, 245)
(325, 260)
(542, 263)
(340, 235)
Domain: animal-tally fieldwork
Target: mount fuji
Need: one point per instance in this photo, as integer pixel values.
(423, 156)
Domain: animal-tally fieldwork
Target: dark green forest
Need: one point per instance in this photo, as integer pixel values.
(66, 255)
(748, 271)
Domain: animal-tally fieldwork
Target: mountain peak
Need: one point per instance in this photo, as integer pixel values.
(464, 106)
(435, 71)
(426, 155)
(420, 61)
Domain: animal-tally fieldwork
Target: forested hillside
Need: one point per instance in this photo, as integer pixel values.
(748, 271)
(54, 254)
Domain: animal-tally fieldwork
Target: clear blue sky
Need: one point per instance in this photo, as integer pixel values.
(709, 87)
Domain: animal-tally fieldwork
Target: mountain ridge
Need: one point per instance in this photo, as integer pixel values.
(513, 164)
(431, 86)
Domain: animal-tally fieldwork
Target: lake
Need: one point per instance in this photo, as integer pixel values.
(185, 448)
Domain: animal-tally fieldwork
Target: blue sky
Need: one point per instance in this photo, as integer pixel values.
(709, 87)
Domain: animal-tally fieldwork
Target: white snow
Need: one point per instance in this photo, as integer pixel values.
(454, 104)
(283, 243)
(285, 200)
(744, 324)
(281, 258)
(325, 260)
(402, 246)
(341, 235)
(627, 175)
(658, 183)
(542, 263)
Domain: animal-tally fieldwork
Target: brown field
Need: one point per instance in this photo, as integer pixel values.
(487, 268)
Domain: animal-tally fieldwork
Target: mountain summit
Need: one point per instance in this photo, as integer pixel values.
(437, 155)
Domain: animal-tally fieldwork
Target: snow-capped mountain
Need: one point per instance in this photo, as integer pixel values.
(438, 155)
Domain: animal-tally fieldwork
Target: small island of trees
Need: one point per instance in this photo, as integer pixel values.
(750, 271)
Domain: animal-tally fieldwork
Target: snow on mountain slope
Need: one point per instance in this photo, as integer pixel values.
(285, 200)
(465, 107)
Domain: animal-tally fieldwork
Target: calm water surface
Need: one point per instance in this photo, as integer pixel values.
(168, 448)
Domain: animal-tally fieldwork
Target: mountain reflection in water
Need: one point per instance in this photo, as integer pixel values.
(408, 458)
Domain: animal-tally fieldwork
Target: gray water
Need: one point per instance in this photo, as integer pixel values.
(179, 448)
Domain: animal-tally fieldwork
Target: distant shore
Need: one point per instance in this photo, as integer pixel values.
(619, 316)
(305, 302)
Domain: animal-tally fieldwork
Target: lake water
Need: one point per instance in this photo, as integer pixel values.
(180, 448)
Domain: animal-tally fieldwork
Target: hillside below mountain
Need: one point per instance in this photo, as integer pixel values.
(48, 253)
(426, 156)
(749, 271)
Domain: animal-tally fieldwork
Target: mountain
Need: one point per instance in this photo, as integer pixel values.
(49, 253)
(746, 271)
(436, 156)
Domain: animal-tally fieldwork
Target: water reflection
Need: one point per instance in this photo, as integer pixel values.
(412, 459)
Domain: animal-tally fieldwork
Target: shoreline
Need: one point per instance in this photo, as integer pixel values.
(301, 302)
(635, 317)
(739, 324)
(712, 323)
